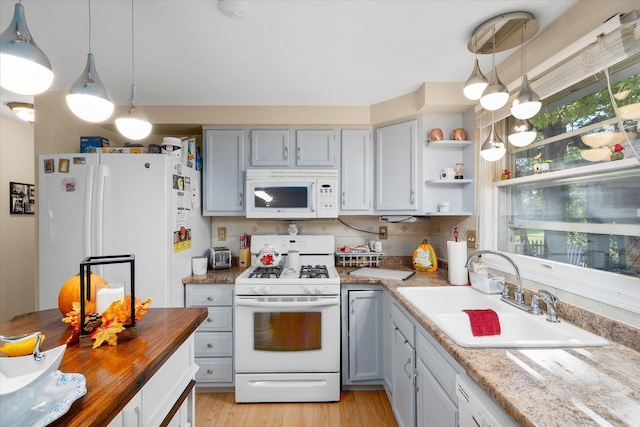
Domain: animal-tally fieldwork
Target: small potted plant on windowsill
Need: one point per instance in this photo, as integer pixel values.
(539, 165)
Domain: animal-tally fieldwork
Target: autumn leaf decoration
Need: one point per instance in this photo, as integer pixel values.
(106, 327)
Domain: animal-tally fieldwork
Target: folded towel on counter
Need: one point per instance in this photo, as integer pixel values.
(484, 322)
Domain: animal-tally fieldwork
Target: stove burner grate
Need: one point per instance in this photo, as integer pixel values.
(266, 273)
(314, 272)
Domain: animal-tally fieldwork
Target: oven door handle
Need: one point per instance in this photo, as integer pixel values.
(287, 304)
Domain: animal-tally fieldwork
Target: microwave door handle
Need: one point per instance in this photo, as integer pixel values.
(313, 197)
(255, 303)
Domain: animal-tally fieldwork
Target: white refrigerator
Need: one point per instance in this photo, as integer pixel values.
(146, 205)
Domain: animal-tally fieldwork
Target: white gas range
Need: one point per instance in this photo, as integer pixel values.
(287, 321)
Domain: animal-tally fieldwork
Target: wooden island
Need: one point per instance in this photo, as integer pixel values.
(116, 375)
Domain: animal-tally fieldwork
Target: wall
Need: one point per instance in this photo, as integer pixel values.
(18, 255)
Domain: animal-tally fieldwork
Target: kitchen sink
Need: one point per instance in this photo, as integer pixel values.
(443, 305)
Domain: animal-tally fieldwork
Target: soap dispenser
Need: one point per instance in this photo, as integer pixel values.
(479, 267)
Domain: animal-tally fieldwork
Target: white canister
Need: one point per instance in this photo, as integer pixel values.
(444, 206)
(294, 260)
(448, 173)
(375, 246)
(199, 265)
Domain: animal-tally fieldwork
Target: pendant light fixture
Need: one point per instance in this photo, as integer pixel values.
(88, 98)
(23, 110)
(24, 68)
(133, 123)
(522, 133)
(526, 103)
(493, 148)
(495, 95)
(477, 82)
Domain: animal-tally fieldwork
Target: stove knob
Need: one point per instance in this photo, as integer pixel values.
(320, 289)
(256, 290)
(308, 290)
(266, 289)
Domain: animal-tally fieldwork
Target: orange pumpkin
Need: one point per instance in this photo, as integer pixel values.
(70, 291)
(424, 257)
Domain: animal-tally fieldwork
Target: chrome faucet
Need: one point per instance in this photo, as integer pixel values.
(518, 294)
(551, 300)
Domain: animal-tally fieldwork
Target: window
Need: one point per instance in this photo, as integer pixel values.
(577, 227)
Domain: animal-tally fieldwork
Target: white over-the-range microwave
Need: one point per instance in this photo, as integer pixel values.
(292, 193)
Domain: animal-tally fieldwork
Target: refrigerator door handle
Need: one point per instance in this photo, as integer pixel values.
(88, 213)
(99, 210)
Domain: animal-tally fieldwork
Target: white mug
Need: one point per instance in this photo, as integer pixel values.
(444, 206)
(375, 245)
(199, 265)
(448, 173)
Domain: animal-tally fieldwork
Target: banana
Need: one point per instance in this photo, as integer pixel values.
(21, 348)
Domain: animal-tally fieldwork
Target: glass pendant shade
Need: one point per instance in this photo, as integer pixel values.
(88, 98)
(133, 123)
(24, 68)
(495, 95)
(23, 110)
(475, 84)
(522, 133)
(492, 148)
(527, 102)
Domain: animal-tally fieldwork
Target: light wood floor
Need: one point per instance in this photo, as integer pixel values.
(355, 409)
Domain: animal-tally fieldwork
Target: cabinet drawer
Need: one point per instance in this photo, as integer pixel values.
(218, 319)
(404, 324)
(437, 364)
(215, 370)
(200, 295)
(214, 344)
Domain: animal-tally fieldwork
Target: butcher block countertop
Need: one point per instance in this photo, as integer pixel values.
(114, 374)
(590, 386)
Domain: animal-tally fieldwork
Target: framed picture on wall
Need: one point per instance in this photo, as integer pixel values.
(22, 199)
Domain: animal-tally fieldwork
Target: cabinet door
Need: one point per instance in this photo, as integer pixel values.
(223, 169)
(388, 328)
(269, 147)
(433, 406)
(365, 335)
(356, 172)
(404, 396)
(397, 168)
(316, 147)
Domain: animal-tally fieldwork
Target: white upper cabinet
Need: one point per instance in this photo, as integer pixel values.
(269, 147)
(397, 168)
(316, 147)
(223, 169)
(356, 172)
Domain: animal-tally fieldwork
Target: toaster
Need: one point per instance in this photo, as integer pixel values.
(219, 258)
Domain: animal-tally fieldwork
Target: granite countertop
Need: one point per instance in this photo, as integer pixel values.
(590, 386)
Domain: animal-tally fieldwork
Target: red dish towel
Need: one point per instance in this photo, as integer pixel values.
(484, 322)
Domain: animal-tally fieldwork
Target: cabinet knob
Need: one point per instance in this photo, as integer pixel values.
(209, 319)
(209, 371)
(209, 345)
(209, 298)
(286, 153)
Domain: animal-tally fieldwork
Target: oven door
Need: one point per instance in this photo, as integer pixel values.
(287, 334)
(281, 199)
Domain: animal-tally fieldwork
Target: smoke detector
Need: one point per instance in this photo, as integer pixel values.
(234, 8)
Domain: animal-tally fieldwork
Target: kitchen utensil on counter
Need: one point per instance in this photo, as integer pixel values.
(294, 260)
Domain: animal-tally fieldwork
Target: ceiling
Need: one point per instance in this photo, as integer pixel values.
(281, 52)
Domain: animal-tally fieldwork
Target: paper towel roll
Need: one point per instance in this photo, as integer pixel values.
(457, 253)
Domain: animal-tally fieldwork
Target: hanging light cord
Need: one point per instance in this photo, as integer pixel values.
(89, 26)
(524, 56)
(133, 66)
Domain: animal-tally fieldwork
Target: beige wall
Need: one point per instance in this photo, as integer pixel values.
(18, 255)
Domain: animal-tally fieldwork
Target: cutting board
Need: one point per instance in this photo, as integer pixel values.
(382, 273)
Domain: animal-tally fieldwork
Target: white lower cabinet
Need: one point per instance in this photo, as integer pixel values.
(418, 375)
(361, 335)
(168, 398)
(214, 337)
